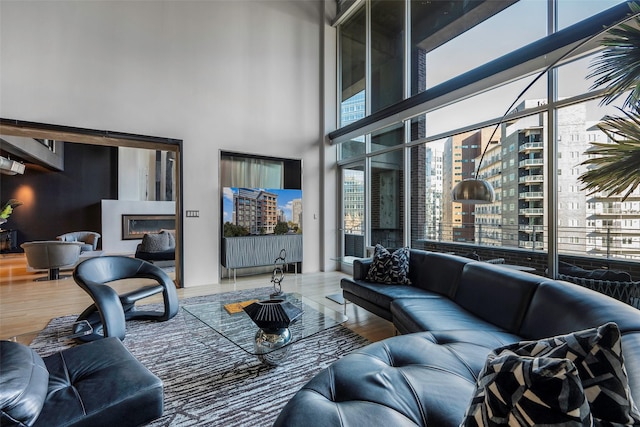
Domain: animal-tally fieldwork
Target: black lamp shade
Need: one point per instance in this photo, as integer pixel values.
(473, 191)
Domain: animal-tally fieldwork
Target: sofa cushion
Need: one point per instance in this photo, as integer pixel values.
(388, 267)
(381, 294)
(437, 272)
(597, 354)
(168, 255)
(23, 384)
(559, 308)
(485, 287)
(155, 242)
(528, 391)
(434, 314)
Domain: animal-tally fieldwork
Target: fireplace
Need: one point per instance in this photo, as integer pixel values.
(136, 226)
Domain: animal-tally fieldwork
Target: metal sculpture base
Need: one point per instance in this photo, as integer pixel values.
(272, 346)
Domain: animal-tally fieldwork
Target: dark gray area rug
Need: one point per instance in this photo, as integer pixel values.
(212, 382)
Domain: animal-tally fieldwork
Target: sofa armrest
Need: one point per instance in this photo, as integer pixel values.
(361, 268)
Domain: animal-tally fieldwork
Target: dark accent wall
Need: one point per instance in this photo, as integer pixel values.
(60, 202)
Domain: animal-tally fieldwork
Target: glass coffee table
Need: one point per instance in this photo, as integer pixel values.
(213, 317)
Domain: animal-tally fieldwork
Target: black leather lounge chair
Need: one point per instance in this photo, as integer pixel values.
(89, 385)
(109, 312)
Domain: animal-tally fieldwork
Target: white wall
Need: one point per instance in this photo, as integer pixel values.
(236, 75)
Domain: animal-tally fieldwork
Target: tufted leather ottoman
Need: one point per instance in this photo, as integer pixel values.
(402, 381)
(95, 384)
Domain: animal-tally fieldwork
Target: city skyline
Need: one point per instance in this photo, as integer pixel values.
(515, 166)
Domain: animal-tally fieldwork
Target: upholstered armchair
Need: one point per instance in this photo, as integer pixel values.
(89, 239)
(109, 312)
(51, 255)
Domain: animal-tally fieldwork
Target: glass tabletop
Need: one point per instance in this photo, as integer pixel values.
(238, 328)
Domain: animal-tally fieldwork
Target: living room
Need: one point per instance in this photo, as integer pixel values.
(259, 78)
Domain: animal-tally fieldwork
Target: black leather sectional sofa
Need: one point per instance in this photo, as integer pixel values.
(454, 313)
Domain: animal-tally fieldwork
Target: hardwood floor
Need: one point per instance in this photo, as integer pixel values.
(27, 306)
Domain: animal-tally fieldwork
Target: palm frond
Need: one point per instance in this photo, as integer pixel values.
(617, 68)
(615, 169)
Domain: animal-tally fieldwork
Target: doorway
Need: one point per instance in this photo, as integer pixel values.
(52, 134)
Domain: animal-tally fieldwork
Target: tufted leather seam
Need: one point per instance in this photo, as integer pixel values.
(332, 391)
(415, 395)
(423, 415)
(457, 356)
(17, 422)
(71, 385)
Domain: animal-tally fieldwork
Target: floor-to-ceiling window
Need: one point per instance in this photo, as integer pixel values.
(353, 68)
(478, 104)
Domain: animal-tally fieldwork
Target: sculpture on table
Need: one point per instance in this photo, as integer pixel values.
(278, 273)
(273, 317)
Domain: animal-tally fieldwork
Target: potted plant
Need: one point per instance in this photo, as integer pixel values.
(7, 209)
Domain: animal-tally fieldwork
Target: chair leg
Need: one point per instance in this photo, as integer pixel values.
(52, 274)
(106, 315)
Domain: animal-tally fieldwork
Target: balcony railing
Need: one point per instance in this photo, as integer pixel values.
(610, 211)
(531, 162)
(530, 228)
(530, 245)
(532, 195)
(531, 146)
(609, 243)
(531, 211)
(531, 178)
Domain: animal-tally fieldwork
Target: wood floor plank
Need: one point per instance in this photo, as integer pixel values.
(27, 305)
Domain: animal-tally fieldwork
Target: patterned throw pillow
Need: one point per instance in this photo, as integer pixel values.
(389, 268)
(597, 354)
(525, 391)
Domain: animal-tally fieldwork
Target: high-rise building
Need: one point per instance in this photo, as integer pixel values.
(459, 161)
(433, 201)
(256, 210)
(488, 218)
(296, 212)
(594, 224)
